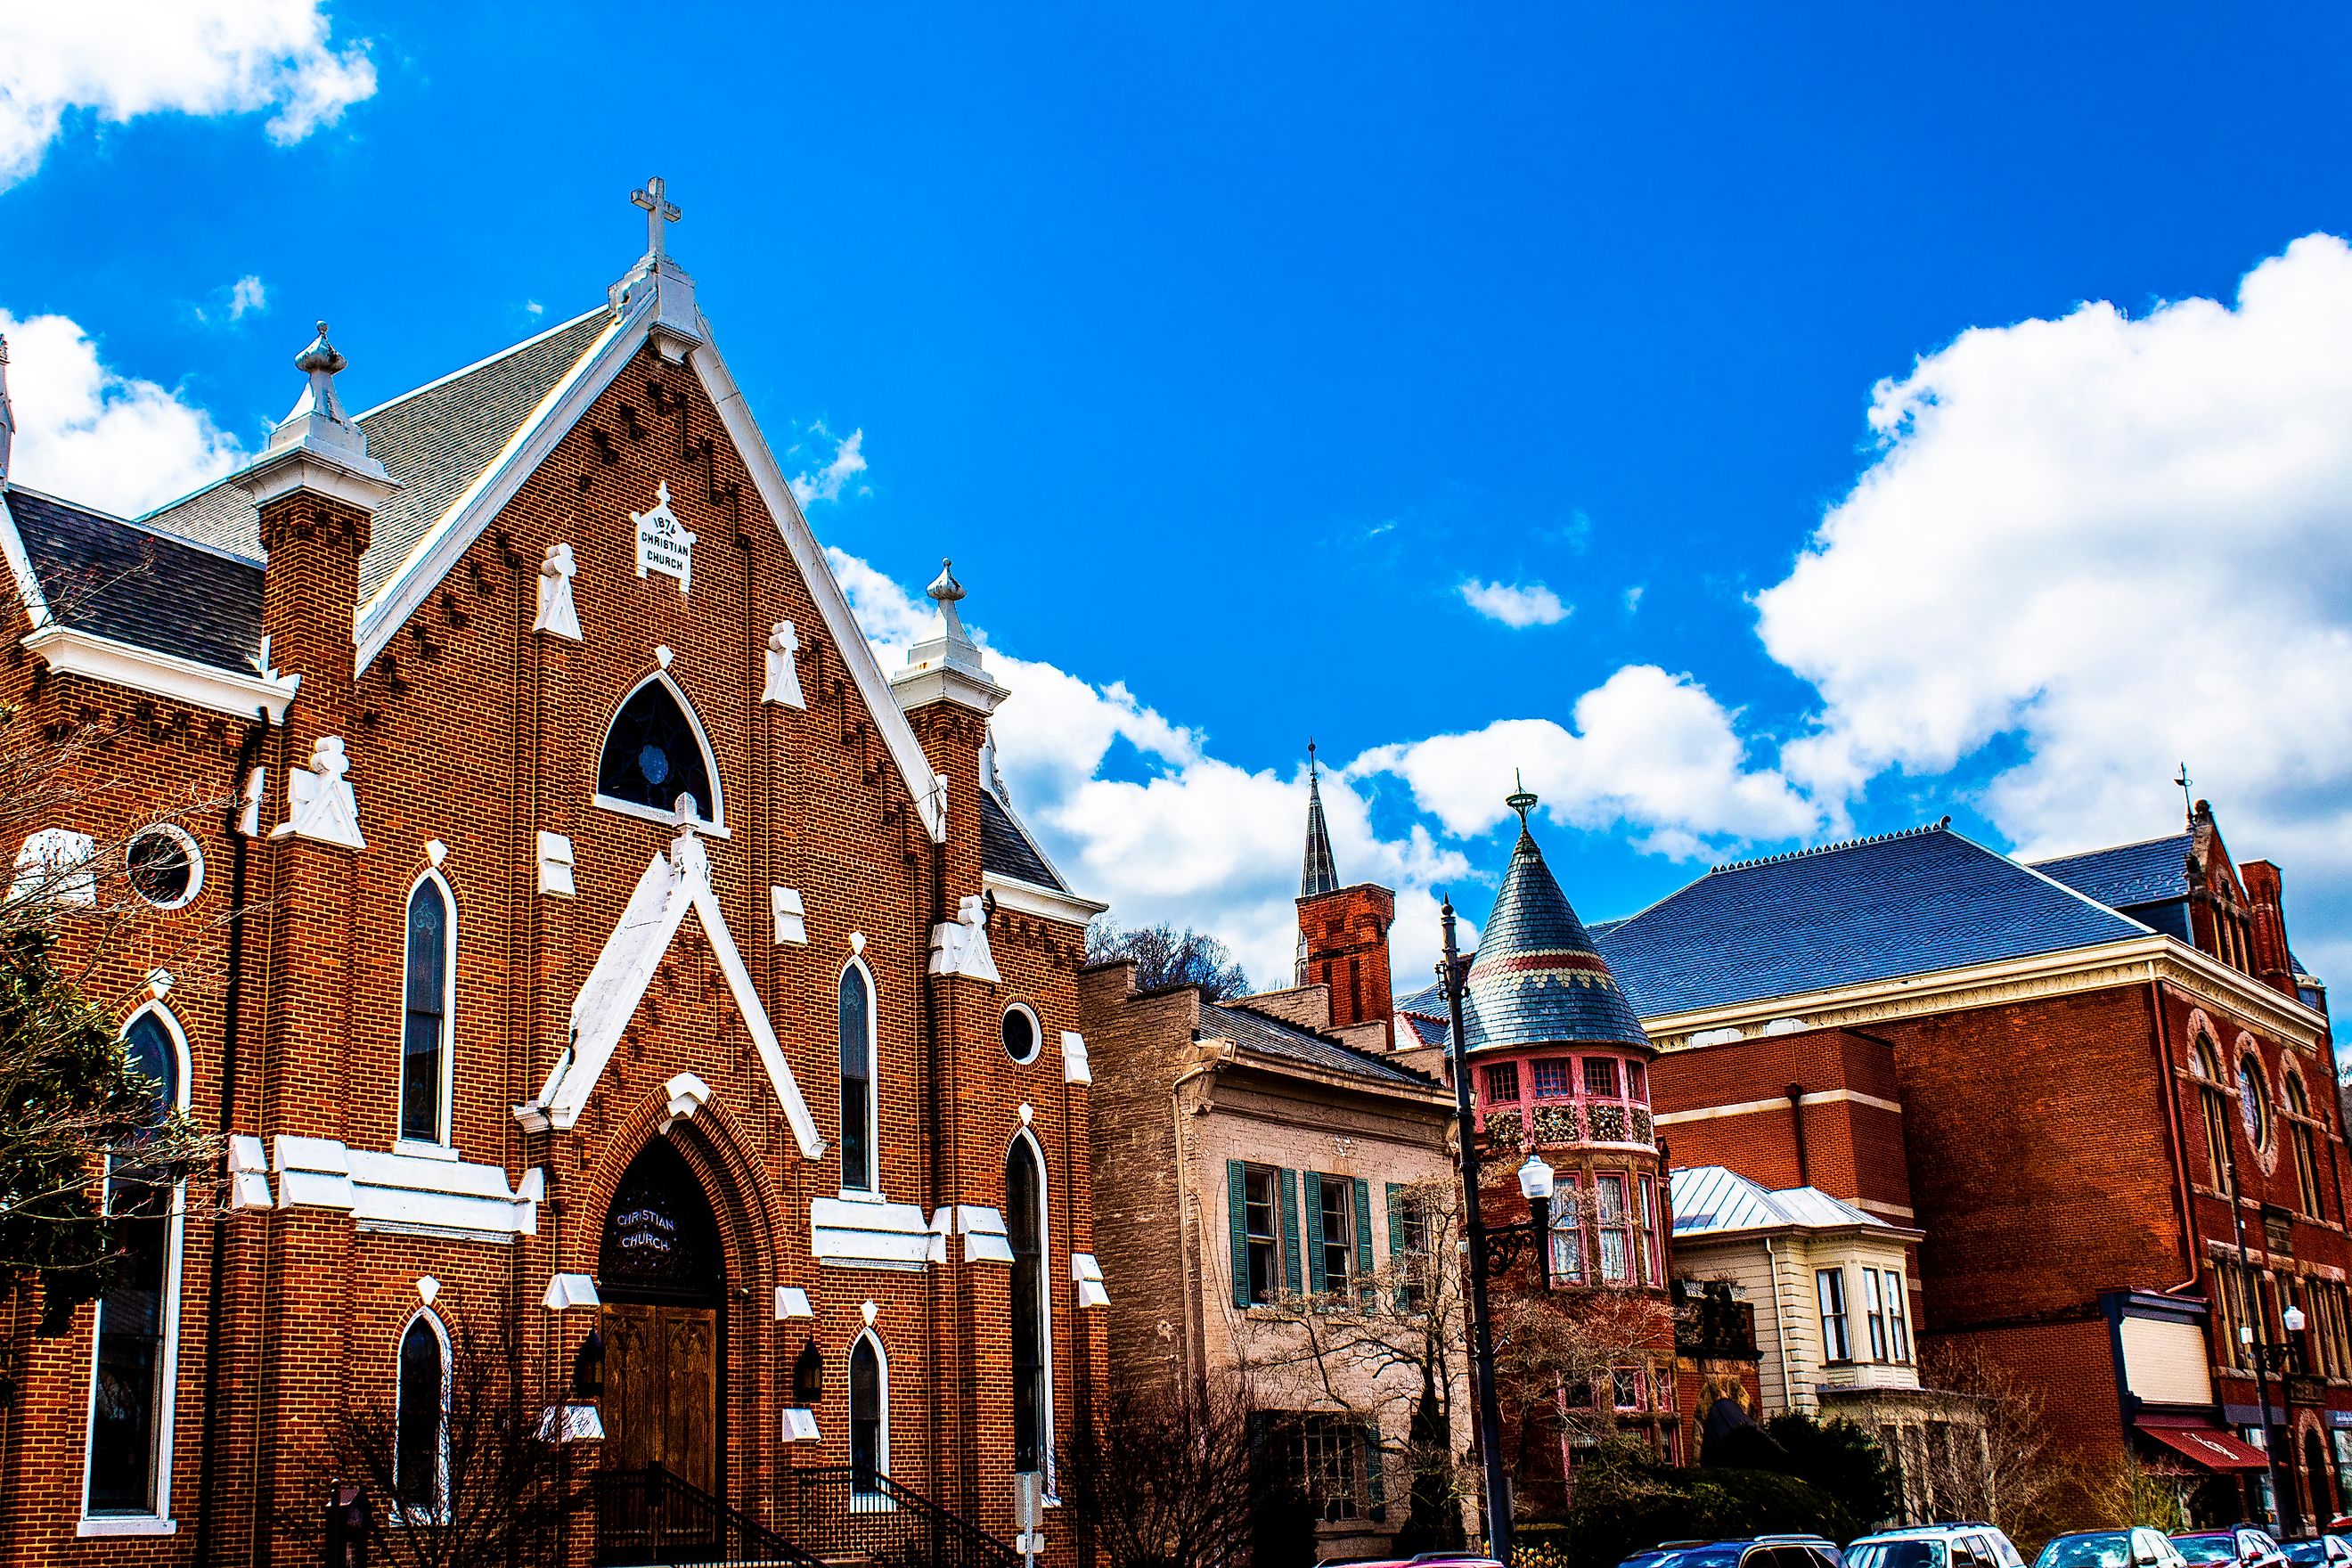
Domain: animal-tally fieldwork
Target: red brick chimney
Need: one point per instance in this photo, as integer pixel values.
(1345, 935)
(2272, 964)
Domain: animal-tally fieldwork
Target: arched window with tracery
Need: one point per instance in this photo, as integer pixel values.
(858, 1126)
(427, 991)
(127, 1470)
(2254, 1101)
(657, 752)
(2306, 1143)
(1024, 1227)
(2213, 1102)
(420, 1456)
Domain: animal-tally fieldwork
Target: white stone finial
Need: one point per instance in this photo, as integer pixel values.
(960, 946)
(659, 211)
(319, 799)
(784, 682)
(946, 662)
(557, 617)
(322, 361)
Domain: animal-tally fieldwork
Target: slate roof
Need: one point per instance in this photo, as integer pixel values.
(2148, 872)
(1710, 1200)
(1007, 850)
(1270, 1037)
(1846, 914)
(436, 441)
(119, 580)
(1538, 978)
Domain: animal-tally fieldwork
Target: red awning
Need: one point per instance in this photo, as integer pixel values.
(2203, 1443)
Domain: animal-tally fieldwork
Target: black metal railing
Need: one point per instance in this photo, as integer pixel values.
(847, 1512)
(651, 1516)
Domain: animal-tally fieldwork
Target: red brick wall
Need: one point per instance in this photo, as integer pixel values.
(1347, 932)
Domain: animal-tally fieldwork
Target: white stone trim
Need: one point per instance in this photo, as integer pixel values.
(406, 1192)
(1778, 1103)
(792, 1301)
(1076, 1068)
(1036, 1031)
(847, 1233)
(985, 1239)
(1045, 904)
(673, 885)
(800, 1427)
(1087, 1275)
(791, 915)
(556, 864)
(565, 1291)
(70, 651)
(20, 564)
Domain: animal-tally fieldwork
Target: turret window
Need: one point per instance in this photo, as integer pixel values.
(1502, 1082)
(1611, 1216)
(1551, 1077)
(1600, 1076)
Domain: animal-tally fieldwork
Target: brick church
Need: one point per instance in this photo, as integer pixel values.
(585, 941)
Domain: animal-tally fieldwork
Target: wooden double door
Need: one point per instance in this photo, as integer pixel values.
(661, 1389)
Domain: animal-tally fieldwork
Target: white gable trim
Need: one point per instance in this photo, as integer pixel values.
(674, 885)
(776, 495)
(437, 553)
(20, 566)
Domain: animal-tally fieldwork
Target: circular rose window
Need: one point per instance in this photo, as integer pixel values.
(166, 868)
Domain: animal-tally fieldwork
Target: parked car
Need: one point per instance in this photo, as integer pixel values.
(1972, 1544)
(2319, 1552)
(1758, 1552)
(1426, 1559)
(2241, 1544)
(2135, 1548)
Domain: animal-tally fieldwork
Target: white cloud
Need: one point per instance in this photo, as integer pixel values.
(2114, 543)
(1517, 605)
(90, 433)
(1634, 598)
(118, 60)
(1651, 752)
(841, 461)
(533, 308)
(247, 293)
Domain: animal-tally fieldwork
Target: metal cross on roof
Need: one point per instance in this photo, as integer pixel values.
(2182, 779)
(659, 210)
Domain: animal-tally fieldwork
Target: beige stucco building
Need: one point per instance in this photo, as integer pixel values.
(1271, 1197)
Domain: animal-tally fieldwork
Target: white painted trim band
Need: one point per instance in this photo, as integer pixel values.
(1778, 1103)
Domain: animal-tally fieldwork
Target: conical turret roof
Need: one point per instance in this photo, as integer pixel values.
(1537, 979)
(1318, 873)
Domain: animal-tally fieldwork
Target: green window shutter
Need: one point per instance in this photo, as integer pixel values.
(1237, 1196)
(1376, 1484)
(1289, 1182)
(1316, 1282)
(1363, 1238)
(1399, 1265)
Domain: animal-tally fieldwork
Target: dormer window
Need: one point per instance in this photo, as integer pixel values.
(655, 754)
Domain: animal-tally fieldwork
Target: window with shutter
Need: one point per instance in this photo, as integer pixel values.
(1291, 1270)
(1363, 1193)
(1237, 1217)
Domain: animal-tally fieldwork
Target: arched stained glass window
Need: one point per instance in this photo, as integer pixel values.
(2253, 1101)
(419, 1441)
(1024, 1227)
(654, 754)
(425, 1029)
(129, 1414)
(857, 1173)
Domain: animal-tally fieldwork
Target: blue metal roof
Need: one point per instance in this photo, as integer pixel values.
(1538, 978)
(2127, 874)
(1844, 914)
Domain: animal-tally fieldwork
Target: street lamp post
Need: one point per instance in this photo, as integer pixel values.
(1492, 1248)
(2255, 1336)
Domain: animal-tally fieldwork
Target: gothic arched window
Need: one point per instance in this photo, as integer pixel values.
(858, 1108)
(1024, 1227)
(424, 1024)
(420, 1440)
(128, 1470)
(869, 1414)
(2306, 1143)
(2213, 1102)
(656, 752)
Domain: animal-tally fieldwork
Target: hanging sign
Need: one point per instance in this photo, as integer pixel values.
(663, 542)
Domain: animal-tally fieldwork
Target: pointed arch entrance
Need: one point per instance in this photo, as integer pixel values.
(662, 1275)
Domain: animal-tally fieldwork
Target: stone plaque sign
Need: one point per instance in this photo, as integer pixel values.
(663, 542)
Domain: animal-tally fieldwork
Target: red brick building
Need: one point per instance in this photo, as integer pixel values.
(621, 954)
(2101, 1087)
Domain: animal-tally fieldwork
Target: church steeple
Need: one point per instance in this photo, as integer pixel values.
(1319, 874)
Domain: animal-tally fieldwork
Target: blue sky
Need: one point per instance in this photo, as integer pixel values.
(1239, 355)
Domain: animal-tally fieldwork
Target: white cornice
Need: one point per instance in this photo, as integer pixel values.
(1047, 903)
(2136, 960)
(72, 652)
